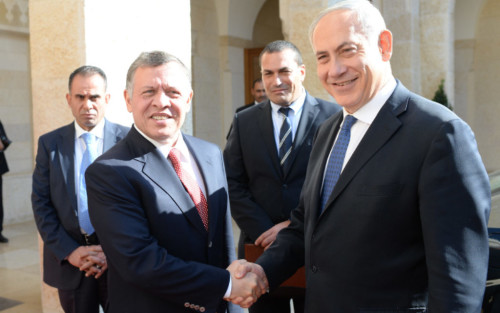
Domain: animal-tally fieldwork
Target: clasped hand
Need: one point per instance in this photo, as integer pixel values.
(90, 259)
(249, 283)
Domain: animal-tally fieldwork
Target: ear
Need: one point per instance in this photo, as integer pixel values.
(302, 69)
(68, 98)
(385, 45)
(127, 100)
(189, 99)
(107, 98)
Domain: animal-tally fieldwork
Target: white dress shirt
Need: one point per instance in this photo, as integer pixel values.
(365, 116)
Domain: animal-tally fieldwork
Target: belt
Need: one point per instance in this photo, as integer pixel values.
(90, 240)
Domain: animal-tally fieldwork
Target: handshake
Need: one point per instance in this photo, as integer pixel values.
(249, 282)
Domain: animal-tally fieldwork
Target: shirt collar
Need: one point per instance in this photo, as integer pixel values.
(180, 145)
(97, 131)
(296, 106)
(369, 111)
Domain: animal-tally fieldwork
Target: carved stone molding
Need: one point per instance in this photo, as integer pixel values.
(14, 15)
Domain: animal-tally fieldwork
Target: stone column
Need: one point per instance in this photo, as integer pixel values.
(67, 34)
(297, 16)
(437, 49)
(402, 19)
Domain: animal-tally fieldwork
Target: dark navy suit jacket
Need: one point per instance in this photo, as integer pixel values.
(54, 201)
(405, 228)
(160, 257)
(261, 194)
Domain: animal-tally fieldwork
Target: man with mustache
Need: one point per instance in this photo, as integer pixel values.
(159, 203)
(266, 165)
(73, 261)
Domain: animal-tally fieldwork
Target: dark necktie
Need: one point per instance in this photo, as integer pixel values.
(88, 157)
(336, 160)
(191, 186)
(285, 143)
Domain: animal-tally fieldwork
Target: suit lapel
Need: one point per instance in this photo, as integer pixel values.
(265, 124)
(161, 172)
(66, 148)
(309, 114)
(207, 171)
(382, 129)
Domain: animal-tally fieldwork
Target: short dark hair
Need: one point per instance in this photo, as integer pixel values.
(152, 59)
(88, 70)
(255, 81)
(281, 45)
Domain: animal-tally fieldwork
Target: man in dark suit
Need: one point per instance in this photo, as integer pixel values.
(404, 228)
(4, 168)
(258, 93)
(262, 189)
(73, 261)
(159, 203)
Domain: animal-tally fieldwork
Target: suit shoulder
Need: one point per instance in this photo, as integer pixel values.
(328, 107)
(49, 136)
(200, 144)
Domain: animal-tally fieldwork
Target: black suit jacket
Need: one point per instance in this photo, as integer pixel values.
(54, 201)
(4, 168)
(261, 194)
(405, 229)
(160, 257)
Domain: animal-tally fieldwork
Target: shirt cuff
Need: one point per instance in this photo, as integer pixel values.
(229, 287)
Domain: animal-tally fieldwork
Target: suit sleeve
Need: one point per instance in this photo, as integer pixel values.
(288, 248)
(123, 228)
(249, 215)
(53, 234)
(454, 207)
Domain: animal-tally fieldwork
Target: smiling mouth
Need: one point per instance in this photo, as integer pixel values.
(159, 117)
(345, 83)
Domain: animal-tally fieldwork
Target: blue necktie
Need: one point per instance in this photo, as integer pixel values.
(89, 156)
(336, 160)
(285, 143)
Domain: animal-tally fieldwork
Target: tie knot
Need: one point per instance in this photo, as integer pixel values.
(349, 121)
(284, 111)
(174, 154)
(88, 138)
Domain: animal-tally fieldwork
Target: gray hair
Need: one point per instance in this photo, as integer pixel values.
(152, 59)
(280, 45)
(87, 70)
(368, 17)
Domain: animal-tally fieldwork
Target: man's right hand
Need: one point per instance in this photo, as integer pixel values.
(90, 259)
(249, 283)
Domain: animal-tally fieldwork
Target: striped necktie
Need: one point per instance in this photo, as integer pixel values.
(285, 140)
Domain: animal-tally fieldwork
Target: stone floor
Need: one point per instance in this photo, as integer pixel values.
(20, 270)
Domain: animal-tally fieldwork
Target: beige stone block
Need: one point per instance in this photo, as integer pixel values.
(432, 7)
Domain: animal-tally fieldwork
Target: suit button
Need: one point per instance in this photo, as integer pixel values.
(285, 186)
(197, 307)
(202, 309)
(210, 244)
(314, 269)
(186, 304)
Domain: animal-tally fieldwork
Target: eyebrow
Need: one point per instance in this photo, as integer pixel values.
(339, 47)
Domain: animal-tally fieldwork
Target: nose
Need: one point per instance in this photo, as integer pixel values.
(277, 80)
(89, 104)
(337, 68)
(161, 99)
